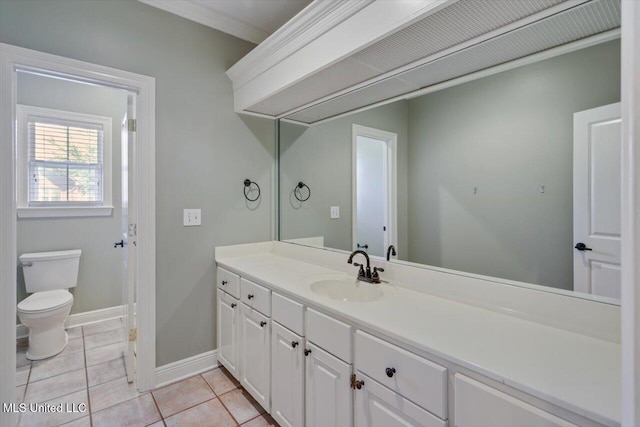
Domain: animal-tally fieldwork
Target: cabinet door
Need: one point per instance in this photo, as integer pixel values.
(255, 360)
(228, 329)
(287, 377)
(378, 406)
(478, 405)
(328, 393)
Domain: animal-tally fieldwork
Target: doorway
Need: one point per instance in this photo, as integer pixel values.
(374, 204)
(140, 140)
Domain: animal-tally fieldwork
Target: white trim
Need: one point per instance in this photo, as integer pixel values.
(14, 58)
(64, 212)
(630, 213)
(81, 319)
(536, 57)
(211, 18)
(391, 215)
(185, 368)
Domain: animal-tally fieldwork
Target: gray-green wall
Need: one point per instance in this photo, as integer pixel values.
(507, 135)
(203, 149)
(320, 156)
(100, 276)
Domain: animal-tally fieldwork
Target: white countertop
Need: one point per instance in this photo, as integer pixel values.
(579, 373)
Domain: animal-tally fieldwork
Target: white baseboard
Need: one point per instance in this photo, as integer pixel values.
(185, 368)
(80, 319)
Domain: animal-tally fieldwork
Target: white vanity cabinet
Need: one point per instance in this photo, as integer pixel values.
(287, 376)
(228, 330)
(255, 354)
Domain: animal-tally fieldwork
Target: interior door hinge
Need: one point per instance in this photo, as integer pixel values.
(355, 384)
(133, 334)
(132, 125)
(133, 230)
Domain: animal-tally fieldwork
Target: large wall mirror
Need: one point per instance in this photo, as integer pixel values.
(514, 175)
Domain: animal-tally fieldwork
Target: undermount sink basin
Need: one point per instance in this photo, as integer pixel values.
(343, 288)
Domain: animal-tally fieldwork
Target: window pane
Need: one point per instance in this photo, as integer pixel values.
(85, 184)
(83, 145)
(48, 183)
(49, 142)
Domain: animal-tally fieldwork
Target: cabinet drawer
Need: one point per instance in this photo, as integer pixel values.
(228, 282)
(256, 296)
(419, 380)
(330, 334)
(478, 405)
(288, 313)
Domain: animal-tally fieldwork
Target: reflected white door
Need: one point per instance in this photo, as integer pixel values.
(129, 235)
(596, 200)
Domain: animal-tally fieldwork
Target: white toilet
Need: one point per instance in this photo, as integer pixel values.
(48, 276)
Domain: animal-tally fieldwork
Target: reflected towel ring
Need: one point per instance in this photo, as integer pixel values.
(298, 194)
(247, 187)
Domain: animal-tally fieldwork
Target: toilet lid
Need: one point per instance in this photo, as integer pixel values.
(45, 301)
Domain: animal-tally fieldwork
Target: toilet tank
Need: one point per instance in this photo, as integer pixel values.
(49, 271)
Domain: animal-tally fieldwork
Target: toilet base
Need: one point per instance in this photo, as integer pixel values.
(43, 346)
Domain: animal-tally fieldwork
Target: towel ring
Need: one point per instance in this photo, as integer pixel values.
(247, 187)
(298, 194)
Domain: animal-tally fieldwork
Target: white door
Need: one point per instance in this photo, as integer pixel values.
(128, 242)
(378, 406)
(255, 360)
(328, 397)
(374, 200)
(287, 377)
(228, 329)
(596, 200)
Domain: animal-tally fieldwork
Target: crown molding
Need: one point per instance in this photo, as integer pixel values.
(211, 18)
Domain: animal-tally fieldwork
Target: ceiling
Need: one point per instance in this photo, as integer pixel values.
(251, 20)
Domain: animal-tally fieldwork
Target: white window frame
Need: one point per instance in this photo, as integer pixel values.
(70, 210)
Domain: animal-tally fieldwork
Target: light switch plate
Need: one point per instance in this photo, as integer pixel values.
(335, 212)
(192, 217)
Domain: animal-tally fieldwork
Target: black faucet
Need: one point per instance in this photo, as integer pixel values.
(391, 250)
(365, 274)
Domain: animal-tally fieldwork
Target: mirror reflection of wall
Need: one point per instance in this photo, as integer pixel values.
(484, 169)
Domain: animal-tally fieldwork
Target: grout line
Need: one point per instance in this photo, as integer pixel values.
(220, 400)
(86, 374)
(158, 408)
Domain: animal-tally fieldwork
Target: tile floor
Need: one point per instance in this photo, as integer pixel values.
(91, 371)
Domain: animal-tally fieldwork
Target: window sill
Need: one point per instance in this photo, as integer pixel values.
(64, 212)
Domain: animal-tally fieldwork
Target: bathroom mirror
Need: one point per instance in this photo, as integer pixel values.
(502, 175)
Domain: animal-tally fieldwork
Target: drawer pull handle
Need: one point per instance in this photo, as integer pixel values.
(390, 372)
(233, 305)
(307, 352)
(262, 324)
(250, 296)
(224, 282)
(294, 344)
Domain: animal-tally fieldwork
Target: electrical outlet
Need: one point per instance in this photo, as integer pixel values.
(335, 212)
(192, 217)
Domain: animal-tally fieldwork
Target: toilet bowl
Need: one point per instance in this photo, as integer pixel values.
(48, 276)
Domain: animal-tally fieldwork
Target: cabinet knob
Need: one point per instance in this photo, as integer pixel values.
(390, 372)
(250, 296)
(233, 305)
(294, 344)
(359, 384)
(263, 323)
(224, 282)
(307, 352)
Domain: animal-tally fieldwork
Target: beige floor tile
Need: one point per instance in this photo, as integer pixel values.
(103, 338)
(105, 353)
(105, 372)
(220, 380)
(241, 405)
(59, 385)
(22, 374)
(80, 422)
(21, 352)
(51, 419)
(261, 421)
(74, 332)
(56, 365)
(20, 393)
(140, 411)
(158, 424)
(208, 414)
(104, 326)
(109, 394)
(74, 345)
(182, 395)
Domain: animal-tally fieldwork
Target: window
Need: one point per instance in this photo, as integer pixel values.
(65, 163)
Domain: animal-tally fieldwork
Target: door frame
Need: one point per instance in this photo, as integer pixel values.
(391, 199)
(12, 59)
